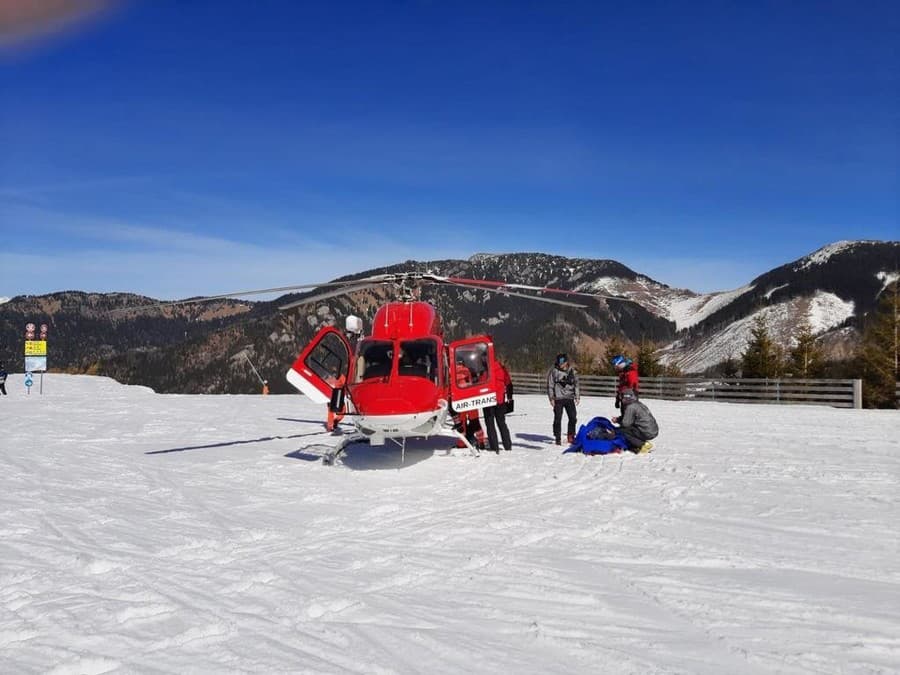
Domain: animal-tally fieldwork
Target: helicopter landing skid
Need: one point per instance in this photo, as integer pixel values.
(329, 457)
(472, 449)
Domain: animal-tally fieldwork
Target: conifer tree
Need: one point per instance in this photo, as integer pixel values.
(614, 347)
(647, 360)
(762, 357)
(879, 351)
(586, 361)
(730, 367)
(805, 359)
(672, 370)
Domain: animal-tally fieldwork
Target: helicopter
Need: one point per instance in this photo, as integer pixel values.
(403, 379)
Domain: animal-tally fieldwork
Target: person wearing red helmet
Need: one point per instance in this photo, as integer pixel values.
(627, 372)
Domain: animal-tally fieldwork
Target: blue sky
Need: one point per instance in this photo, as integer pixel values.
(181, 148)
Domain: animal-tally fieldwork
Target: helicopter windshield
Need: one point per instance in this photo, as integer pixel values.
(418, 358)
(374, 359)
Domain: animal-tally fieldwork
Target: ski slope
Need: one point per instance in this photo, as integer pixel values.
(165, 533)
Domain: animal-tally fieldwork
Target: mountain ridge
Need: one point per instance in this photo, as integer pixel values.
(201, 347)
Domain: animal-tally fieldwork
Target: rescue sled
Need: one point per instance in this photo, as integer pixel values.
(597, 446)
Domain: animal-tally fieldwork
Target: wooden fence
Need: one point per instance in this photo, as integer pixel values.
(836, 393)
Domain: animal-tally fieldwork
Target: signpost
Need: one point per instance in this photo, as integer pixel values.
(35, 354)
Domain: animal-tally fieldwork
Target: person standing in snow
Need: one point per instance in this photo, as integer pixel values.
(637, 423)
(336, 380)
(466, 422)
(2, 379)
(564, 393)
(497, 413)
(627, 372)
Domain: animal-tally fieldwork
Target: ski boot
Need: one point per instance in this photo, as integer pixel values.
(645, 448)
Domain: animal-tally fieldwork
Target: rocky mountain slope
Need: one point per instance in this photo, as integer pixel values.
(831, 289)
(206, 347)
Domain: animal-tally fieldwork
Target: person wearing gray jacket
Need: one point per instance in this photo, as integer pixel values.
(564, 393)
(637, 423)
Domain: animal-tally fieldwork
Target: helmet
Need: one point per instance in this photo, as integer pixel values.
(620, 361)
(561, 359)
(627, 396)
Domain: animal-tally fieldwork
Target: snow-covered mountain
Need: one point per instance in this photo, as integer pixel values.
(192, 348)
(829, 289)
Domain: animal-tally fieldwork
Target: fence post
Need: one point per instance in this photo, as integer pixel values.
(857, 394)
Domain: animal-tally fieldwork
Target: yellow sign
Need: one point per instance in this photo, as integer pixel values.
(35, 348)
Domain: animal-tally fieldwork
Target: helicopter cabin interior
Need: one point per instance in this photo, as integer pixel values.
(413, 358)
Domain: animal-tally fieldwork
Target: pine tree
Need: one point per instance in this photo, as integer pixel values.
(614, 347)
(762, 357)
(672, 370)
(586, 362)
(805, 359)
(647, 360)
(730, 367)
(879, 351)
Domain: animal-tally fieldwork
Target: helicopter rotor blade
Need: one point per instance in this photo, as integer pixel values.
(237, 294)
(329, 294)
(525, 287)
(503, 291)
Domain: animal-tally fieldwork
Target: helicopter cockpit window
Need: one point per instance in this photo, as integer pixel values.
(374, 359)
(328, 359)
(471, 365)
(418, 358)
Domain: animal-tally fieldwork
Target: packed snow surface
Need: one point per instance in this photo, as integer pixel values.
(151, 533)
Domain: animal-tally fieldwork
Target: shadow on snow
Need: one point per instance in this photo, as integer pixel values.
(361, 456)
(225, 444)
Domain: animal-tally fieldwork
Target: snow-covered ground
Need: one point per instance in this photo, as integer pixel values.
(150, 533)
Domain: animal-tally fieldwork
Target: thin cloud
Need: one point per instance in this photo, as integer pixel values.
(23, 22)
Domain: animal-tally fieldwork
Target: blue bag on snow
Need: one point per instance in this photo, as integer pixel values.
(597, 446)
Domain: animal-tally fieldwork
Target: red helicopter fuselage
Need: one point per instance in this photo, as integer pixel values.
(399, 380)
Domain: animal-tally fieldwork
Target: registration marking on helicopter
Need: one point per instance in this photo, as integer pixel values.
(477, 402)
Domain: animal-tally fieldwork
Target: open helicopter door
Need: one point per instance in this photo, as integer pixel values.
(472, 374)
(323, 367)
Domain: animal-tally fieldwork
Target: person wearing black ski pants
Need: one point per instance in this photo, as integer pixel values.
(564, 393)
(497, 413)
(568, 405)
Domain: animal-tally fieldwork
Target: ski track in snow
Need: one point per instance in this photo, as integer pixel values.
(163, 533)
